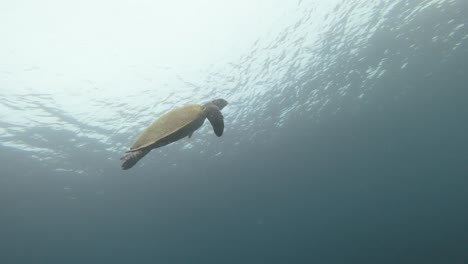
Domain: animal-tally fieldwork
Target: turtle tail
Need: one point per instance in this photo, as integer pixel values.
(132, 157)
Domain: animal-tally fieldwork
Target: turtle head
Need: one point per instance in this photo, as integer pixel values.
(220, 103)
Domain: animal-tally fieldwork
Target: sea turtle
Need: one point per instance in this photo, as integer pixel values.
(174, 125)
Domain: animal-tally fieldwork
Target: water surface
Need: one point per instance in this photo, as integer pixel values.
(345, 136)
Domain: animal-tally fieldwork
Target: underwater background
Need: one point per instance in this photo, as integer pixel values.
(345, 134)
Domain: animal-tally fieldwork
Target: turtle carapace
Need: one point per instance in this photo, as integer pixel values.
(174, 125)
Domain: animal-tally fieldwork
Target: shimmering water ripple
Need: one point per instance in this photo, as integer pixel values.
(321, 59)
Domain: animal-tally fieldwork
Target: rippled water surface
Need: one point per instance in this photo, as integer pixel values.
(345, 137)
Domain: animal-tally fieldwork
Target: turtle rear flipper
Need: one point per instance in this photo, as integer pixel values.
(215, 117)
(132, 157)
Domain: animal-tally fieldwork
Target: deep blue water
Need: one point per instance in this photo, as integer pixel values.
(345, 143)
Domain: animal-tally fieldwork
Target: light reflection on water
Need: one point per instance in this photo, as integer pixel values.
(319, 59)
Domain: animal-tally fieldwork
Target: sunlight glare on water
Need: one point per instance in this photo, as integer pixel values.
(94, 70)
(90, 76)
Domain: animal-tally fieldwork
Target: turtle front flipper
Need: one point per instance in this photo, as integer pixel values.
(214, 115)
(132, 157)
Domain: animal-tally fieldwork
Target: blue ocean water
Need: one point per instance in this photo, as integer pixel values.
(345, 142)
